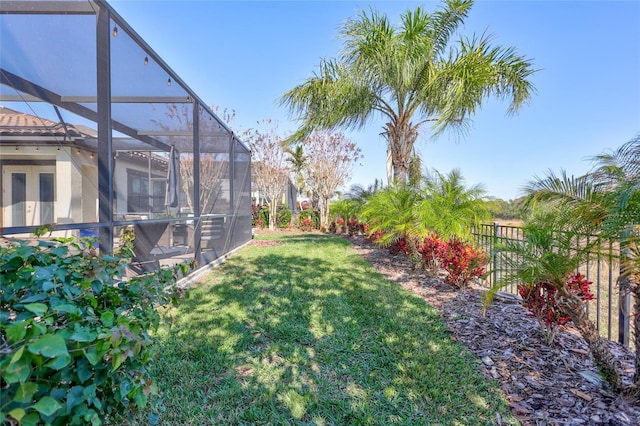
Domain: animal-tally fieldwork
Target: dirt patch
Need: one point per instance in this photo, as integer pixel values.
(545, 385)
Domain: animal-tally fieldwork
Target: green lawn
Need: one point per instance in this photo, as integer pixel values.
(307, 332)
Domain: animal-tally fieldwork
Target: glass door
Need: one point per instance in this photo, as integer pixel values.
(28, 195)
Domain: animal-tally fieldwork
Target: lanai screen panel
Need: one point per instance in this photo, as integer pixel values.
(215, 193)
(123, 135)
(242, 194)
(56, 52)
(48, 144)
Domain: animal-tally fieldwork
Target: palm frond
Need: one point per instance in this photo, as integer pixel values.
(450, 208)
(581, 200)
(479, 69)
(393, 211)
(446, 21)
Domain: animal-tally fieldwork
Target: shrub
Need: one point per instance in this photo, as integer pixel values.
(284, 217)
(74, 335)
(259, 224)
(255, 213)
(314, 215)
(263, 215)
(333, 227)
(365, 228)
(399, 246)
(462, 262)
(374, 237)
(540, 300)
(306, 224)
(353, 227)
(431, 250)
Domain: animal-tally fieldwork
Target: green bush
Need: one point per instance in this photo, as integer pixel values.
(284, 217)
(263, 215)
(74, 334)
(314, 215)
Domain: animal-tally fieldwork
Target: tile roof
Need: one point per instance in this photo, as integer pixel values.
(13, 123)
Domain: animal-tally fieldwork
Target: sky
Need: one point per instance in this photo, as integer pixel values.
(244, 55)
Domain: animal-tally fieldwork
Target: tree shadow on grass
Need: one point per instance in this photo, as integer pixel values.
(288, 336)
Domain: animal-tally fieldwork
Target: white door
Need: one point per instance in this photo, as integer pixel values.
(28, 195)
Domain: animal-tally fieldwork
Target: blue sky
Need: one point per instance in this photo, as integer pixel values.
(244, 55)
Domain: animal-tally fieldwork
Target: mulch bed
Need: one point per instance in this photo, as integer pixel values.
(544, 385)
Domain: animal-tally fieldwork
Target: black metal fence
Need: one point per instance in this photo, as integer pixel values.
(611, 309)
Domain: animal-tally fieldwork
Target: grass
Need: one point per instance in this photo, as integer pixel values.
(307, 332)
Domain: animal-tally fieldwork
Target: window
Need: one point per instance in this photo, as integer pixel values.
(144, 196)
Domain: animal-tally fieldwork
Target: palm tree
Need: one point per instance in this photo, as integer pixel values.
(298, 162)
(345, 208)
(359, 195)
(392, 210)
(606, 199)
(409, 76)
(549, 256)
(450, 209)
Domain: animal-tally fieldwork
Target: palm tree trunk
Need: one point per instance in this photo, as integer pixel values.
(401, 139)
(574, 307)
(414, 254)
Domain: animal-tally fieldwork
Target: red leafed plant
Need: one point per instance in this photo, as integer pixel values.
(540, 300)
(365, 228)
(374, 236)
(431, 250)
(462, 262)
(581, 286)
(306, 225)
(353, 227)
(399, 246)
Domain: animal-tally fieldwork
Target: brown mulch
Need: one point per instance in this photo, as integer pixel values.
(544, 385)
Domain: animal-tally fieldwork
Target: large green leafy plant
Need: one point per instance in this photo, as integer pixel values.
(74, 334)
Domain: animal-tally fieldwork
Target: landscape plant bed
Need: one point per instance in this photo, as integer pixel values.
(307, 332)
(557, 384)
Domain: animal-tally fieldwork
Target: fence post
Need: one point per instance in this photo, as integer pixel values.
(624, 298)
(495, 253)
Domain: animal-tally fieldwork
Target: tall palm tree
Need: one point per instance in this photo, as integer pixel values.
(409, 75)
(298, 161)
(450, 208)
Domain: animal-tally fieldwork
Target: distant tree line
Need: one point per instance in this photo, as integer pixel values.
(506, 210)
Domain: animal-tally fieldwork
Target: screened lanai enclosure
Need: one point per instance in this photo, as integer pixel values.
(100, 138)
